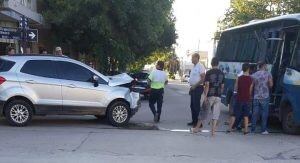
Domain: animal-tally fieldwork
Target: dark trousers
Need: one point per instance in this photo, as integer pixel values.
(241, 110)
(156, 97)
(195, 103)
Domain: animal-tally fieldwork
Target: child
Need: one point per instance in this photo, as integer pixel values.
(244, 87)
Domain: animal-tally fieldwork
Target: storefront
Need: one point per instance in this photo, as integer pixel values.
(11, 12)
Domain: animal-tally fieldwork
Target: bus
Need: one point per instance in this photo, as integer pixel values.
(275, 41)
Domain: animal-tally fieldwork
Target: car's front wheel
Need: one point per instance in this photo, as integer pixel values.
(18, 113)
(119, 114)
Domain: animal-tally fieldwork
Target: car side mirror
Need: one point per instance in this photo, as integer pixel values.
(95, 80)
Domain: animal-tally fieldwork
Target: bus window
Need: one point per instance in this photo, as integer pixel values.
(296, 59)
(290, 40)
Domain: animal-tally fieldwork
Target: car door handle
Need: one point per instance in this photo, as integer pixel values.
(71, 86)
(30, 81)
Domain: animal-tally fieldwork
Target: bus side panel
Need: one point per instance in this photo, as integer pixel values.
(293, 96)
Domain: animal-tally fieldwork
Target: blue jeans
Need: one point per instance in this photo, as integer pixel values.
(260, 108)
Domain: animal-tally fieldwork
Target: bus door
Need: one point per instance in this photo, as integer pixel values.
(291, 84)
(285, 48)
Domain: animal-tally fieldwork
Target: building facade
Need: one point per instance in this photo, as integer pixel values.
(11, 12)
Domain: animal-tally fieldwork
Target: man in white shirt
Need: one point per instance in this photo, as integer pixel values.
(197, 76)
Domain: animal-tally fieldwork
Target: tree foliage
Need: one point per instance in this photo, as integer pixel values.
(243, 11)
(119, 32)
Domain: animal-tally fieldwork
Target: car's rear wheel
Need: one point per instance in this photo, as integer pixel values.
(18, 113)
(119, 114)
(288, 123)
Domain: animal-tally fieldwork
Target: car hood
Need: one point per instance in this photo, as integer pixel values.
(120, 79)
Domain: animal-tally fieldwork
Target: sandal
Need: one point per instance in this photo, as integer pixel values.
(246, 133)
(193, 130)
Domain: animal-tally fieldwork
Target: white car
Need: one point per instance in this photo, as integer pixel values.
(52, 85)
(185, 78)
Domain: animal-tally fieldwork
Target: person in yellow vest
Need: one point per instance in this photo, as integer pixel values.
(158, 79)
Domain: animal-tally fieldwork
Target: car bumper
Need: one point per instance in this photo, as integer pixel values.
(135, 102)
(135, 109)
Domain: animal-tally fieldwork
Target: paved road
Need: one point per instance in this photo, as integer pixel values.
(85, 139)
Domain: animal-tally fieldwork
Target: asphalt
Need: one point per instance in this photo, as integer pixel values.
(86, 139)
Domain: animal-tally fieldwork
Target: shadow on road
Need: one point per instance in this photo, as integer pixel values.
(80, 122)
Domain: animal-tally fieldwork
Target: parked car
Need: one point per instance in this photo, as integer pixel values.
(52, 85)
(141, 83)
(185, 78)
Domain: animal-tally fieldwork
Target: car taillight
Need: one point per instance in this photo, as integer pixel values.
(2, 80)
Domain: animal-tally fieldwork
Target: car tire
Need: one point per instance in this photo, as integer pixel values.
(18, 113)
(287, 122)
(118, 114)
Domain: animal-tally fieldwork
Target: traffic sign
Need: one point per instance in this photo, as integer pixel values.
(32, 35)
(9, 33)
(15, 34)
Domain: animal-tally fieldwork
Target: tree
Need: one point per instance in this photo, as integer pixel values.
(155, 56)
(118, 32)
(243, 11)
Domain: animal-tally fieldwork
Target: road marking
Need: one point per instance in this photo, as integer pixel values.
(180, 130)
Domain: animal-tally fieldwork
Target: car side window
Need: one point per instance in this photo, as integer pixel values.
(72, 71)
(42, 68)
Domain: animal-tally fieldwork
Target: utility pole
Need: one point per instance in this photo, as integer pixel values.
(198, 45)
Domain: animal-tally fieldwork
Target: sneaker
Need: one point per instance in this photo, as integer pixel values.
(265, 133)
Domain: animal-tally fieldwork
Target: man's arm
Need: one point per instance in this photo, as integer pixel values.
(270, 82)
(150, 78)
(235, 85)
(251, 89)
(206, 89)
(222, 88)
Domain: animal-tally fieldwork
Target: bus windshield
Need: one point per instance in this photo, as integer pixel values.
(296, 59)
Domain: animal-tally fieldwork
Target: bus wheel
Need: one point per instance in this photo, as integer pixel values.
(288, 123)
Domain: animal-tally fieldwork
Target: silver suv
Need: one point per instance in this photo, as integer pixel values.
(50, 85)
